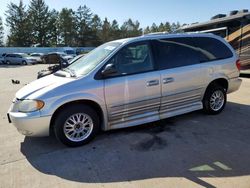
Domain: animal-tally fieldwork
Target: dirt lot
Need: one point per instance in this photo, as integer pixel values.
(192, 150)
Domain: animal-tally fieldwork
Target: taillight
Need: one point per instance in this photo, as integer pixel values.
(238, 64)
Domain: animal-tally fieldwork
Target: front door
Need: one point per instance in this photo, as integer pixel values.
(133, 93)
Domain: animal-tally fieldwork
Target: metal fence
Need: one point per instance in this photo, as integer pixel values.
(43, 49)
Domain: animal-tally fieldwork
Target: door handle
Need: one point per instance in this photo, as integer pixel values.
(153, 83)
(167, 80)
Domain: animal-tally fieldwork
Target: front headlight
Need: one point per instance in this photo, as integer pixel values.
(29, 105)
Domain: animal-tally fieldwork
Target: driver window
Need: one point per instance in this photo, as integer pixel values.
(133, 58)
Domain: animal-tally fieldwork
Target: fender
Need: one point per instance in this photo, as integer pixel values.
(54, 105)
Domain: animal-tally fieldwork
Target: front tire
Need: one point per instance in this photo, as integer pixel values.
(76, 125)
(214, 100)
(24, 62)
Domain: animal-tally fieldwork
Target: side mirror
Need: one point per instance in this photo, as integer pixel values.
(109, 70)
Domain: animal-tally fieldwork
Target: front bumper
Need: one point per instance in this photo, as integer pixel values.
(30, 124)
(234, 84)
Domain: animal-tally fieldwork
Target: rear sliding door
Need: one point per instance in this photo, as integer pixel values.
(182, 77)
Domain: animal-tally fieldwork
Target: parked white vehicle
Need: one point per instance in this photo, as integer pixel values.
(37, 57)
(128, 82)
(65, 56)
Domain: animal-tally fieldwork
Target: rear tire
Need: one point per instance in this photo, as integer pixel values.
(8, 62)
(76, 125)
(214, 100)
(24, 63)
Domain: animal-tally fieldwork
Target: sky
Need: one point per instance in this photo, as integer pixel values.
(147, 11)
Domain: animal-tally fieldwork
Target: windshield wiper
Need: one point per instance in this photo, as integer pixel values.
(70, 71)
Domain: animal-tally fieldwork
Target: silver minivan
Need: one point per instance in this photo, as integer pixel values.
(128, 82)
(19, 59)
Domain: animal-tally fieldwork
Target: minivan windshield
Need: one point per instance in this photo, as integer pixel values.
(88, 62)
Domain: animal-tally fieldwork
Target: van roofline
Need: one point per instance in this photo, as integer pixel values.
(162, 36)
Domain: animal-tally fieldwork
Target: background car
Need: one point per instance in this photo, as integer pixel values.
(19, 58)
(55, 57)
(70, 52)
(2, 56)
(65, 56)
(37, 57)
(52, 69)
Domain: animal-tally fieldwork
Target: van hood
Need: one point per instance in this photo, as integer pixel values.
(40, 86)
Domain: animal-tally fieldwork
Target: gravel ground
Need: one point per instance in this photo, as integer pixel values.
(192, 150)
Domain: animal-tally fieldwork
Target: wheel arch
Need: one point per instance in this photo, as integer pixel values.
(88, 102)
(223, 82)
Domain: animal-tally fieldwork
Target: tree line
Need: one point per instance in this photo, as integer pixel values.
(37, 24)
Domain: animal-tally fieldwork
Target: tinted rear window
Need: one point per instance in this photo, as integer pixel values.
(213, 46)
(176, 52)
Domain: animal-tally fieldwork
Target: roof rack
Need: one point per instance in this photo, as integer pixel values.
(156, 33)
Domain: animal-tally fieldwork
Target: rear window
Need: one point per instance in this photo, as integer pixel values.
(171, 54)
(213, 46)
(177, 52)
